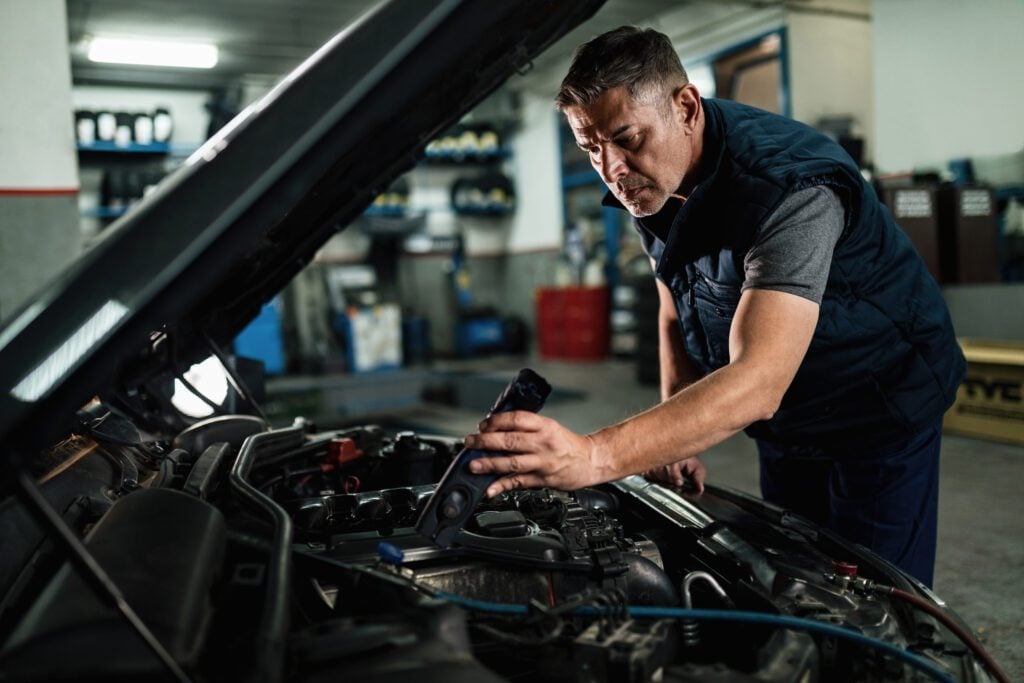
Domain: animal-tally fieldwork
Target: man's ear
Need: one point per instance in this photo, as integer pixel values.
(686, 101)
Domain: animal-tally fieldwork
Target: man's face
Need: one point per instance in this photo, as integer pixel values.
(641, 151)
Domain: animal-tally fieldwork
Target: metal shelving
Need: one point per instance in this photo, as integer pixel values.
(105, 146)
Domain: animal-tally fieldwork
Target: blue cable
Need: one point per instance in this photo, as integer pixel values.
(794, 623)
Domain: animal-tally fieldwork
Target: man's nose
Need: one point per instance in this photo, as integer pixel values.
(611, 165)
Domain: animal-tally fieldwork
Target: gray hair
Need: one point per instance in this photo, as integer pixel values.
(642, 60)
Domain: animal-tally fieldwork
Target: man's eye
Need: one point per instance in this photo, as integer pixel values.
(630, 142)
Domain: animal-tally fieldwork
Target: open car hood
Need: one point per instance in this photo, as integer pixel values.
(194, 261)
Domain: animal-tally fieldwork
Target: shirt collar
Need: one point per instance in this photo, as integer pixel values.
(611, 201)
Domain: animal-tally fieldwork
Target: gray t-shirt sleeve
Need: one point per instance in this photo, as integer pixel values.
(793, 250)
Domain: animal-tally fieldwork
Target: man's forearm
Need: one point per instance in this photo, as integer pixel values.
(686, 424)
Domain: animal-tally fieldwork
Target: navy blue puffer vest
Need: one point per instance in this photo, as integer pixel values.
(883, 362)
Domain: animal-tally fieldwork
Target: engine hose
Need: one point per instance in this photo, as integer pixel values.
(784, 621)
(690, 627)
(958, 630)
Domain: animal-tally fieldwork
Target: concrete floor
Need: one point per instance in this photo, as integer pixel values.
(981, 509)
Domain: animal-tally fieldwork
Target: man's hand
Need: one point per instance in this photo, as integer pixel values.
(691, 470)
(544, 453)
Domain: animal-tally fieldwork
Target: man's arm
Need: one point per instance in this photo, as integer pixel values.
(677, 371)
(768, 340)
(786, 273)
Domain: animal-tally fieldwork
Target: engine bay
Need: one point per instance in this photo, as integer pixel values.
(291, 554)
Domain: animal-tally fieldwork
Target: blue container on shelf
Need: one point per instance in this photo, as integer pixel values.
(475, 336)
(262, 340)
(962, 171)
(372, 337)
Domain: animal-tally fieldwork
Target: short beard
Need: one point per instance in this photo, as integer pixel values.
(641, 212)
(647, 208)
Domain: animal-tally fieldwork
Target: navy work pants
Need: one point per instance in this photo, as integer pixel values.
(886, 499)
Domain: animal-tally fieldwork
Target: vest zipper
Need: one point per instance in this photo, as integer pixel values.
(692, 284)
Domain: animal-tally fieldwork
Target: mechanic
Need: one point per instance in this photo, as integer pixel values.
(791, 306)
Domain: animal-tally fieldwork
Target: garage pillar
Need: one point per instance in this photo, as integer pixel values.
(39, 225)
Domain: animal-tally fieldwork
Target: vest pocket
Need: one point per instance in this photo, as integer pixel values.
(909, 390)
(716, 304)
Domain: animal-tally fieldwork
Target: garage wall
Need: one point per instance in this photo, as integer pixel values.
(831, 68)
(535, 241)
(947, 86)
(828, 45)
(980, 311)
(38, 133)
(947, 80)
(537, 224)
(38, 171)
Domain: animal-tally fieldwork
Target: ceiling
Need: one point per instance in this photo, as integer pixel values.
(264, 39)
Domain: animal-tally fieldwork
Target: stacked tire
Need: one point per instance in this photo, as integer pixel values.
(645, 309)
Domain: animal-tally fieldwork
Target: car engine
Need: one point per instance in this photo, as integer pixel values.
(291, 554)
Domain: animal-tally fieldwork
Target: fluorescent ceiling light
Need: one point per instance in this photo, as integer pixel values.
(153, 52)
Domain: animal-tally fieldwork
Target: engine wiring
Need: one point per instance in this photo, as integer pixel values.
(951, 624)
(553, 633)
(783, 621)
(611, 604)
(868, 587)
